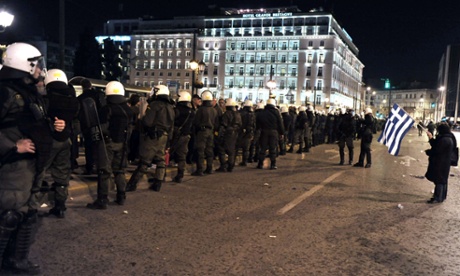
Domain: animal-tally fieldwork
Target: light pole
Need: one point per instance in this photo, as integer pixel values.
(6, 19)
(197, 68)
(271, 84)
(439, 104)
(422, 103)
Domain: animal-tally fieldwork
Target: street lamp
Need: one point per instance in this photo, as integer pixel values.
(197, 68)
(271, 84)
(6, 19)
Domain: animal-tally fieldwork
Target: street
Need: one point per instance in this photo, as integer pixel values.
(309, 217)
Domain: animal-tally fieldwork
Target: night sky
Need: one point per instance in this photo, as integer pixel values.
(401, 40)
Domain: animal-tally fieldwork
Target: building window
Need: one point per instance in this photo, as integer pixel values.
(186, 85)
(187, 53)
(169, 74)
(170, 54)
(321, 58)
(320, 71)
(308, 71)
(310, 43)
(321, 43)
(310, 58)
(319, 85)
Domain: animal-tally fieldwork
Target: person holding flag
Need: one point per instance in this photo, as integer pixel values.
(365, 133)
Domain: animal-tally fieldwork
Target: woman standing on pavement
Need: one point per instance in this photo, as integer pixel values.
(439, 161)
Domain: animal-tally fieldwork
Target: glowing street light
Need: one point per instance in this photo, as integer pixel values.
(197, 67)
(6, 19)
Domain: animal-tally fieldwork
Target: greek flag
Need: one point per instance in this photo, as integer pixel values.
(395, 129)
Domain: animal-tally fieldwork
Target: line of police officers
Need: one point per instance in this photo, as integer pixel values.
(36, 130)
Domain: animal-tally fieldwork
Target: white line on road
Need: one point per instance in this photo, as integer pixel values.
(303, 196)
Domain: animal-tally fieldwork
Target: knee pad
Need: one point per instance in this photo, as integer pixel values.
(10, 218)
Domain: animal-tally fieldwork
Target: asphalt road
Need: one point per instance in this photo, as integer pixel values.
(309, 217)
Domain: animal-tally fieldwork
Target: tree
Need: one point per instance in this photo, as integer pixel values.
(111, 59)
(88, 57)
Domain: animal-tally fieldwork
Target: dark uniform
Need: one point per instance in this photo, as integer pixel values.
(158, 124)
(62, 104)
(300, 129)
(205, 122)
(25, 138)
(228, 134)
(346, 131)
(184, 116)
(367, 128)
(246, 133)
(287, 121)
(270, 123)
(115, 118)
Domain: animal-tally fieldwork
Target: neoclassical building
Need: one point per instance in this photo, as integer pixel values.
(307, 55)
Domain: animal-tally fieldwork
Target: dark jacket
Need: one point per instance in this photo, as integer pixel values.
(159, 116)
(270, 119)
(63, 104)
(439, 158)
(206, 117)
(116, 117)
(347, 126)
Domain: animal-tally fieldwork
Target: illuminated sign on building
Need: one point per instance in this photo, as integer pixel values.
(274, 14)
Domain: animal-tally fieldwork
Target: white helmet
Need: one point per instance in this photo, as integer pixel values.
(248, 103)
(230, 102)
(271, 102)
(55, 75)
(22, 56)
(206, 95)
(368, 111)
(284, 109)
(159, 90)
(184, 96)
(302, 108)
(114, 88)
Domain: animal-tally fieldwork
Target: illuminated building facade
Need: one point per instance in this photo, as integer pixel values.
(309, 56)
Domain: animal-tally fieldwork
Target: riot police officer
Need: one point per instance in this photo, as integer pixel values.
(205, 122)
(287, 120)
(25, 138)
(158, 124)
(346, 132)
(63, 104)
(184, 115)
(270, 123)
(115, 118)
(367, 129)
(228, 135)
(300, 126)
(246, 133)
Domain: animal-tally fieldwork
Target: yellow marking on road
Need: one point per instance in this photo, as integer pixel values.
(305, 195)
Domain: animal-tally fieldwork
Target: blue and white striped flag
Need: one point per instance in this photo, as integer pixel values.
(395, 129)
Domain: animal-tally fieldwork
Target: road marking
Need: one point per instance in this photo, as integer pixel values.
(305, 195)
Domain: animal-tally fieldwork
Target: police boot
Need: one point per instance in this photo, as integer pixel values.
(9, 220)
(273, 165)
(156, 185)
(15, 258)
(208, 169)
(230, 167)
(260, 165)
(179, 176)
(121, 197)
(99, 204)
(131, 186)
(244, 163)
(58, 209)
(221, 168)
(291, 149)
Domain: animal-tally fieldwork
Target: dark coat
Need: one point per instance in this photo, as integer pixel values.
(439, 158)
